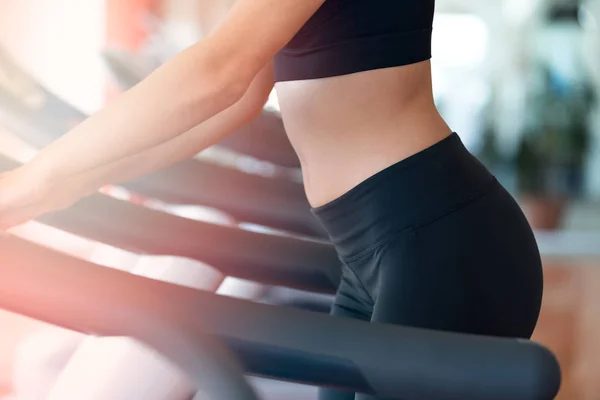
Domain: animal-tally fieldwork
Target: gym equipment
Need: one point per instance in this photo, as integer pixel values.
(133, 241)
(309, 381)
(277, 204)
(286, 344)
(39, 118)
(269, 259)
(119, 368)
(264, 138)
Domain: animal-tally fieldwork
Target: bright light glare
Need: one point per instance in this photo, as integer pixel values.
(459, 40)
(588, 21)
(273, 102)
(520, 10)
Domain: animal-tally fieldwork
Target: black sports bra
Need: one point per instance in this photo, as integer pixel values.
(348, 36)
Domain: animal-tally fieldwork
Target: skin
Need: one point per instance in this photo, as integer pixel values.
(214, 87)
(347, 128)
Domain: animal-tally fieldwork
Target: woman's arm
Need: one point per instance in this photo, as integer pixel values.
(184, 146)
(194, 86)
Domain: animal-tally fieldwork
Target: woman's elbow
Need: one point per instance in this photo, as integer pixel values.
(238, 91)
(225, 88)
(230, 86)
(257, 100)
(257, 95)
(209, 84)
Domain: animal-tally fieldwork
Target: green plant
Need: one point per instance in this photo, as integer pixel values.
(553, 148)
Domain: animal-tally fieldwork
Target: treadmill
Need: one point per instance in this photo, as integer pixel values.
(39, 118)
(265, 258)
(215, 339)
(291, 262)
(129, 226)
(185, 348)
(275, 203)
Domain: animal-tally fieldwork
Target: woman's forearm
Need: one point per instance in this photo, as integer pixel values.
(191, 88)
(164, 155)
(180, 95)
(184, 146)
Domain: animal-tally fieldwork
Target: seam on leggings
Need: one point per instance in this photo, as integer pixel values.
(382, 177)
(394, 235)
(387, 239)
(469, 200)
(362, 285)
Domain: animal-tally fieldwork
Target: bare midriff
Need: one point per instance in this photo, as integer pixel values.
(348, 128)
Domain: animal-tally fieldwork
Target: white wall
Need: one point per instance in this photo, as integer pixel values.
(59, 41)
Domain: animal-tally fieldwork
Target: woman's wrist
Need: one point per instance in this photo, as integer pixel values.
(33, 178)
(45, 167)
(41, 182)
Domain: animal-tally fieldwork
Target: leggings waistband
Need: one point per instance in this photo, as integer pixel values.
(404, 195)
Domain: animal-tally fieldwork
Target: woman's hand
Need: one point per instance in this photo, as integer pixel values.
(25, 195)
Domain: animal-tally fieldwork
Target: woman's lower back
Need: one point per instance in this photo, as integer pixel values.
(347, 128)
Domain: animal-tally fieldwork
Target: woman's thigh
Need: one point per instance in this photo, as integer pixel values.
(476, 270)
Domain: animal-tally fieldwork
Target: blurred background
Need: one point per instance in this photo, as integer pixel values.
(519, 80)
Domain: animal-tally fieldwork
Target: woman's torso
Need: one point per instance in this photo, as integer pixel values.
(355, 95)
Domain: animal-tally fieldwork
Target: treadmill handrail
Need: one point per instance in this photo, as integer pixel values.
(275, 203)
(269, 259)
(288, 344)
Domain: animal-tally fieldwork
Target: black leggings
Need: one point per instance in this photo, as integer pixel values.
(436, 242)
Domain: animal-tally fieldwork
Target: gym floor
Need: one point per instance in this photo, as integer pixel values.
(570, 322)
